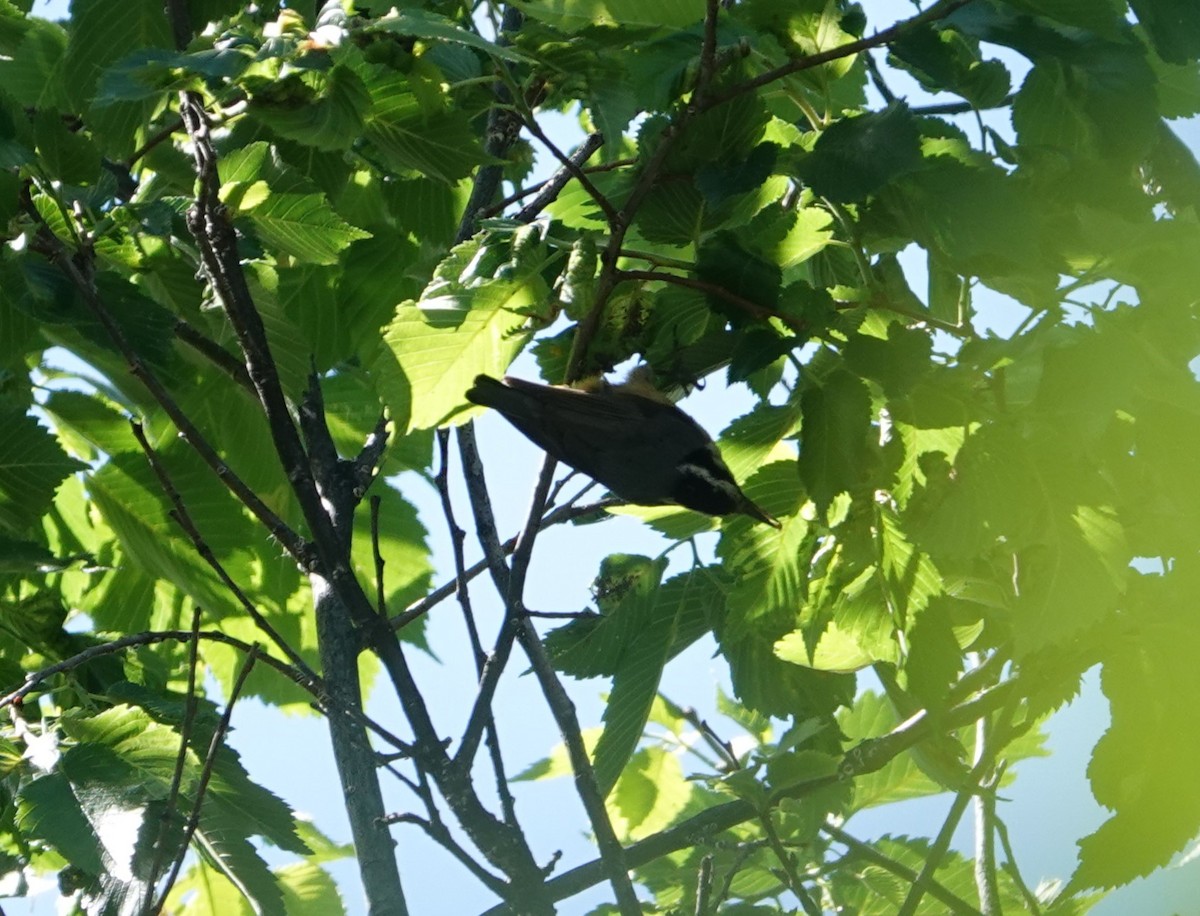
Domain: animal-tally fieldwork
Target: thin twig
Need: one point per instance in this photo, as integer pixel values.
(941, 843)
(210, 761)
(985, 833)
(952, 108)
(792, 878)
(380, 604)
(563, 513)
(369, 457)
(1010, 866)
(868, 756)
(708, 55)
(185, 733)
(868, 852)
(753, 309)
(517, 625)
(558, 180)
(437, 832)
(704, 886)
(213, 352)
(462, 591)
(572, 168)
(184, 519)
(939, 10)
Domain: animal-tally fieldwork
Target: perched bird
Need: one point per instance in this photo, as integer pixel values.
(628, 437)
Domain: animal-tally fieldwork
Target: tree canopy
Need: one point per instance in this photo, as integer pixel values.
(253, 258)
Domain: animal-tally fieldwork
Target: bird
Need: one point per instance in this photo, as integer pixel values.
(628, 437)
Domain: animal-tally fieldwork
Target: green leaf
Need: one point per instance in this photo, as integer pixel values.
(326, 111)
(748, 441)
(463, 325)
(48, 810)
(650, 795)
(857, 156)
(303, 226)
(309, 890)
(769, 566)
(70, 156)
(34, 74)
(32, 465)
(576, 15)
(1075, 577)
(1173, 27)
(130, 502)
(635, 685)
(415, 139)
(834, 450)
(102, 34)
(425, 24)
(1142, 761)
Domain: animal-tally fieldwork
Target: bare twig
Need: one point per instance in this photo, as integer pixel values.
(941, 843)
(867, 756)
(437, 832)
(555, 183)
(213, 352)
(185, 732)
(380, 604)
(369, 457)
(517, 625)
(753, 309)
(206, 772)
(704, 886)
(559, 515)
(1010, 866)
(708, 55)
(184, 519)
(457, 537)
(794, 882)
(899, 869)
(985, 832)
(573, 169)
(939, 10)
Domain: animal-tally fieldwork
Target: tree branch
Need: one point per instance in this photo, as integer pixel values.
(867, 756)
(939, 10)
(899, 869)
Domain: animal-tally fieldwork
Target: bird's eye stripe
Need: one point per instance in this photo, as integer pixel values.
(708, 459)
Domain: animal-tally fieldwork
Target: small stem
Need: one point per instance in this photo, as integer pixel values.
(218, 740)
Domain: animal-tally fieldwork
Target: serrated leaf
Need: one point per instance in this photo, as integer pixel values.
(857, 156)
(574, 15)
(426, 24)
(303, 226)
(48, 809)
(651, 793)
(32, 465)
(834, 451)
(1139, 764)
(836, 650)
(102, 34)
(331, 118)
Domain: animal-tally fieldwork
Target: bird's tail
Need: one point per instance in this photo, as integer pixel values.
(503, 396)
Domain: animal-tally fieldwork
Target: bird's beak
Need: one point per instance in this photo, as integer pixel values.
(749, 508)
